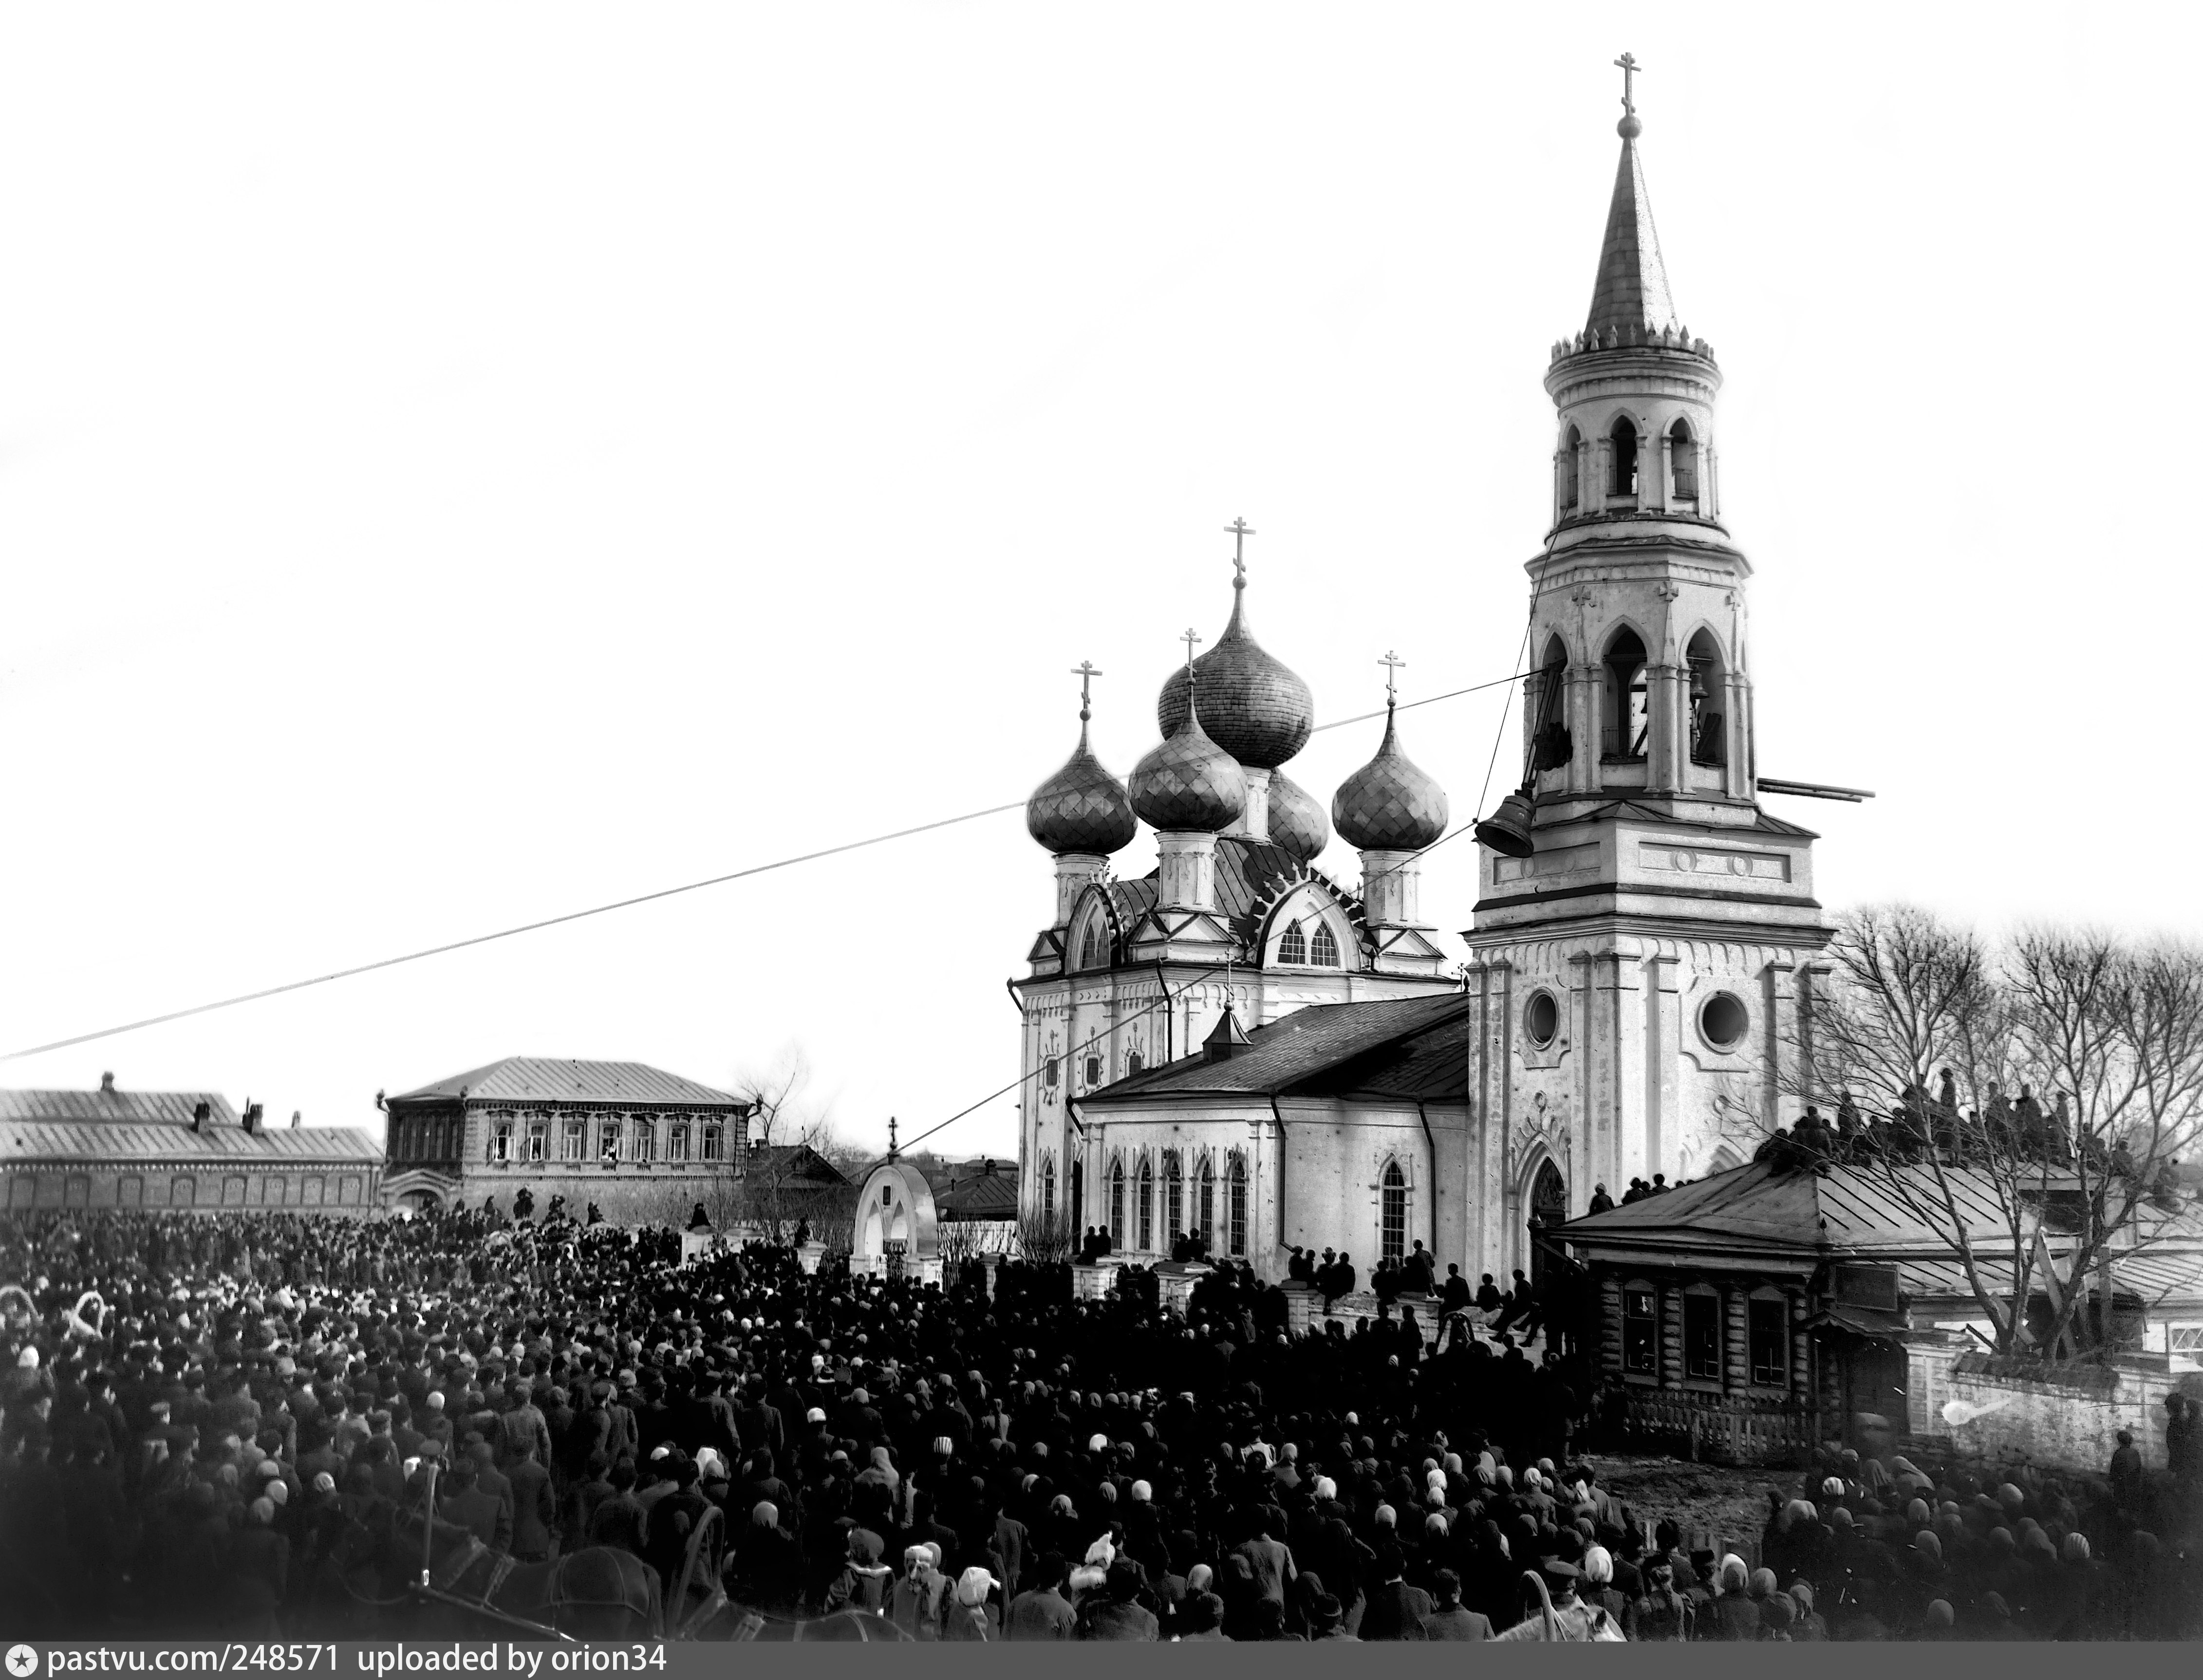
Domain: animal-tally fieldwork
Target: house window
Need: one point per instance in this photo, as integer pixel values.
(1292, 946)
(1093, 1070)
(608, 1140)
(572, 1146)
(2185, 1338)
(676, 1142)
(1117, 1204)
(1392, 1230)
(1236, 1211)
(711, 1143)
(1701, 1336)
(1147, 1205)
(538, 1140)
(1640, 1332)
(1323, 949)
(1771, 1342)
(501, 1142)
(1173, 1196)
(1207, 1198)
(1048, 1191)
(645, 1140)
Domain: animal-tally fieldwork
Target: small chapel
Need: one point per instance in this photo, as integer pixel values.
(1238, 1046)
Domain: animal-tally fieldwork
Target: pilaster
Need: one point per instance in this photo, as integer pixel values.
(1779, 1017)
(1186, 869)
(1663, 1029)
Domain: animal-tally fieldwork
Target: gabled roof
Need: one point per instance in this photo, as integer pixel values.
(23, 1142)
(546, 1079)
(1279, 1057)
(132, 1108)
(793, 1164)
(966, 1190)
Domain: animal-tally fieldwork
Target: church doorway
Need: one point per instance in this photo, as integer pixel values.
(1078, 1221)
(895, 1248)
(1549, 1206)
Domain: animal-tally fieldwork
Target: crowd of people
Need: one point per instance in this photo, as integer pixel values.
(197, 1410)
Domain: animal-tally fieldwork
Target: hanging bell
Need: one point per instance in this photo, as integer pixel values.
(1507, 830)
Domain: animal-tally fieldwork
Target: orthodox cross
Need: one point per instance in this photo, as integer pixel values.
(891, 1137)
(1190, 638)
(1240, 530)
(1085, 673)
(1393, 665)
(1628, 67)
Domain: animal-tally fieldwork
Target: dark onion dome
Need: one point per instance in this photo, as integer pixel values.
(1189, 782)
(1256, 708)
(1082, 807)
(1296, 820)
(1389, 804)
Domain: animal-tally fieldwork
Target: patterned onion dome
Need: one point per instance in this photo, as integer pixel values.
(1082, 807)
(1189, 782)
(1256, 708)
(1296, 820)
(1389, 804)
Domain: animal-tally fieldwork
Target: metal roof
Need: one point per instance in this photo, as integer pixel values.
(966, 1190)
(1307, 1043)
(26, 1141)
(799, 1162)
(548, 1079)
(138, 1108)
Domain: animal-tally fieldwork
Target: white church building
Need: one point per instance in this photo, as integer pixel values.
(1237, 1044)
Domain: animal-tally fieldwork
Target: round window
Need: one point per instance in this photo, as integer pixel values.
(1542, 1019)
(1724, 1021)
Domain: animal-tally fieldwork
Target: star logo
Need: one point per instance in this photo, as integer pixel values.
(22, 1661)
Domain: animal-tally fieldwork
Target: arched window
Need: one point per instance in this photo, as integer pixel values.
(1048, 1189)
(1622, 480)
(1091, 953)
(1323, 949)
(1392, 1231)
(1571, 469)
(1174, 1197)
(1708, 740)
(1116, 1203)
(1134, 1061)
(1683, 455)
(1236, 1211)
(1551, 745)
(1292, 944)
(1093, 1071)
(1628, 716)
(1147, 1205)
(1208, 1204)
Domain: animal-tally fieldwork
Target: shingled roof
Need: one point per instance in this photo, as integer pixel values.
(1310, 1049)
(546, 1079)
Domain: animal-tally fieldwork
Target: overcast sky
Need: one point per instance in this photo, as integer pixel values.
(460, 464)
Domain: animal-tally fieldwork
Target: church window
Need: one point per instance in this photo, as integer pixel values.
(1048, 1190)
(1134, 1061)
(1323, 949)
(713, 1145)
(1236, 1208)
(1708, 744)
(571, 1145)
(1207, 1198)
(676, 1142)
(1091, 954)
(1093, 1070)
(1393, 1224)
(1147, 1205)
(1702, 1336)
(1683, 452)
(1769, 1330)
(1571, 468)
(1724, 1021)
(1623, 439)
(1640, 1332)
(1117, 1204)
(1174, 1196)
(1541, 1020)
(1292, 946)
(1054, 1072)
(1628, 716)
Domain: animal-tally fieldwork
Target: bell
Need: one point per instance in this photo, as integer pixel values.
(1507, 830)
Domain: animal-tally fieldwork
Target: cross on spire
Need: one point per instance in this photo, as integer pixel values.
(1393, 664)
(1084, 671)
(1191, 638)
(891, 1137)
(1240, 530)
(1628, 66)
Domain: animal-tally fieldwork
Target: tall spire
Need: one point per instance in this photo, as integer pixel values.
(1631, 294)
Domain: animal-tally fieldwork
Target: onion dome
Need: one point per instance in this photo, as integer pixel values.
(1389, 804)
(1189, 782)
(1296, 819)
(1082, 807)
(1256, 708)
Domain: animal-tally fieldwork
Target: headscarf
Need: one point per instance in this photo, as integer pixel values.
(1597, 1566)
(1733, 1574)
(2076, 1547)
(1927, 1545)
(1763, 1583)
(764, 1514)
(973, 1586)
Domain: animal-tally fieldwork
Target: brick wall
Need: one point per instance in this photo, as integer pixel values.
(2065, 1419)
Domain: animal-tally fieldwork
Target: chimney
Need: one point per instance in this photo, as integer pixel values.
(987, 1167)
(252, 1118)
(107, 1085)
(199, 1113)
(296, 1115)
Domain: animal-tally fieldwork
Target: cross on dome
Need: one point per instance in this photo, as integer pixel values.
(1191, 638)
(1240, 530)
(1084, 671)
(1393, 664)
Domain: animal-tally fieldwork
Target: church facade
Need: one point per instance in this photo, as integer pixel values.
(1237, 1044)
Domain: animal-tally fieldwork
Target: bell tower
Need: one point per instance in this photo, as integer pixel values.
(1642, 928)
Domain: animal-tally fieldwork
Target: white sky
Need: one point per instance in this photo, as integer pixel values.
(459, 464)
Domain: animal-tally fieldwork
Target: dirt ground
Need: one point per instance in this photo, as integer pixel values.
(1713, 1505)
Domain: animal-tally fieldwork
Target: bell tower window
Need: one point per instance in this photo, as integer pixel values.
(1551, 745)
(1571, 470)
(1683, 453)
(1628, 716)
(1622, 481)
(1708, 740)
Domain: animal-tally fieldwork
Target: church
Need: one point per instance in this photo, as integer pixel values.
(1239, 1044)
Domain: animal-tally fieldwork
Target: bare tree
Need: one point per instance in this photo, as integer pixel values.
(1045, 1238)
(782, 1107)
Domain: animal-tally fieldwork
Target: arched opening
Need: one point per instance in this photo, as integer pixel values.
(1091, 953)
(1078, 1221)
(1323, 949)
(1292, 944)
(1627, 719)
(1551, 745)
(1174, 1197)
(1549, 1206)
(1709, 741)
(1621, 481)
(1236, 1211)
(1207, 1204)
(1571, 469)
(1117, 1204)
(1392, 1214)
(1147, 1205)
(1134, 1061)
(1726, 1159)
(1683, 459)
(1048, 1190)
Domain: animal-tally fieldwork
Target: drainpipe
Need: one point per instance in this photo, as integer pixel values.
(1170, 1024)
(1280, 1240)
(1019, 1003)
(1430, 1143)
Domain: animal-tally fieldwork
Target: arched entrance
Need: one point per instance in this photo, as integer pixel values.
(896, 1234)
(1549, 1206)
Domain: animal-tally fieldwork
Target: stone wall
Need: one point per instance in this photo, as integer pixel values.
(2020, 1411)
(229, 1183)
